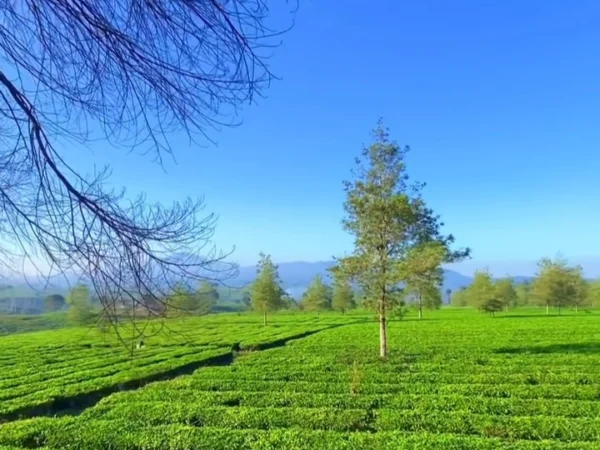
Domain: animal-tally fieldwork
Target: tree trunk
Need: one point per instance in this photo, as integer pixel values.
(420, 305)
(506, 308)
(382, 330)
(547, 309)
(559, 309)
(382, 336)
(576, 309)
(265, 318)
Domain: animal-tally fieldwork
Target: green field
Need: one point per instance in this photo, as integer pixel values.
(457, 380)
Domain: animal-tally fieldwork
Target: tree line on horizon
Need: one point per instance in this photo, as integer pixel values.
(183, 301)
(557, 284)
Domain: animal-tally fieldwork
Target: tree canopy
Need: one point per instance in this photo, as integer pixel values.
(343, 297)
(266, 292)
(317, 295)
(390, 221)
(557, 284)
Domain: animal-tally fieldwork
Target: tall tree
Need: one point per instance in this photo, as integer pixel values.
(557, 284)
(388, 218)
(316, 297)
(266, 291)
(54, 302)
(506, 293)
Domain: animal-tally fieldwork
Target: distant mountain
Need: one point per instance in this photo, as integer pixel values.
(296, 276)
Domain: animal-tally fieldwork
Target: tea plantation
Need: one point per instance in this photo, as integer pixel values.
(456, 380)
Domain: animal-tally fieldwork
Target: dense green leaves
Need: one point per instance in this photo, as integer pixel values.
(343, 297)
(558, 285)
(266, 292)
(532, 383)
(317, 296)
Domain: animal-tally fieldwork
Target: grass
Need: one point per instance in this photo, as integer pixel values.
(456, 380)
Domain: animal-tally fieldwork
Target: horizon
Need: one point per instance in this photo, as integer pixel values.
(591, 268)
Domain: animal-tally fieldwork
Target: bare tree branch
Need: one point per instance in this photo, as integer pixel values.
(126, 72)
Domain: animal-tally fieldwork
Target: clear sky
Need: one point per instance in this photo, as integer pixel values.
(499, 101)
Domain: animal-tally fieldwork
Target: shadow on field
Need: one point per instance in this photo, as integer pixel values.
(583, 347)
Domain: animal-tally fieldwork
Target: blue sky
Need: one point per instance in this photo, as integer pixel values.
(499, 102)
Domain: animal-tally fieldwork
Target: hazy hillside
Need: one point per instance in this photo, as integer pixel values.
(296, 276)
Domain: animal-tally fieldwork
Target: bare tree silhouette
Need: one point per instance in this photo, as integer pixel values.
(137, 70)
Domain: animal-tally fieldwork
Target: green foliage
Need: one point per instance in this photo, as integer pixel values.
(423, 273)
(288, 302)
(460, 297)
(594, 293)
(317, 296)
(182, 302)
(80, 309)
(54, 302)
(343, 296)
(266, 292)
(483, 294)
(558, 285)
(461, 382)
(391, 225)
(524, 297)
(208, 296)
(11, 324)
(246, 300)
(506, 293)
(431, 296)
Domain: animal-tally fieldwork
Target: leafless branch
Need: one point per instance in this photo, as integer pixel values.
(129, 73)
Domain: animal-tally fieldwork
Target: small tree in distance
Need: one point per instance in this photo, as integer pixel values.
(422, 271)
(266, 292)
(80, 308)
(557, 284)
(460, 297)
(482, 293)
(506, 293)
(316, 297)
(208, 296)
(182, 302)
(343, 296)
(523, 291)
